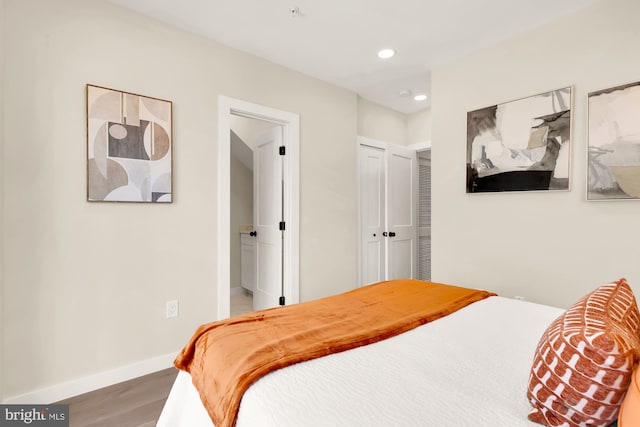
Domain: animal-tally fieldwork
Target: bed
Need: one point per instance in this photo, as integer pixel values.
(468, 368)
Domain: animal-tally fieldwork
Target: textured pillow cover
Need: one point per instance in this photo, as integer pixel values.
(630, 409)
(584, 361)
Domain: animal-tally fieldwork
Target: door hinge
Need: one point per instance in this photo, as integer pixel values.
(282, 300)
(282, 225)
(282, 150)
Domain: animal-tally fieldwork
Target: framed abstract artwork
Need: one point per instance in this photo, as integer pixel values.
(613, 169)
(522, 145)
(129, 147)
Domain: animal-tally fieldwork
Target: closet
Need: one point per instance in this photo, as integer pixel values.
(388, 192)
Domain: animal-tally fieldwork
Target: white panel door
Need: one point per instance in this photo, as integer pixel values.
(401, 212)
(372, 198)
(267, 214)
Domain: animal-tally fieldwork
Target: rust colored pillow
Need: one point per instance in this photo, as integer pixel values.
(630, 409)
(585, 359)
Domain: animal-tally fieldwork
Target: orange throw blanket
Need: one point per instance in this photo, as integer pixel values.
(224, 358)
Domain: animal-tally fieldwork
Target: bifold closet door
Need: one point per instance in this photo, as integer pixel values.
(388, 209)
(372, 222)
(424, 215)
(401, 212)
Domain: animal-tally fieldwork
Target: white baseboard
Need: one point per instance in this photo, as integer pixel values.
(93, 382)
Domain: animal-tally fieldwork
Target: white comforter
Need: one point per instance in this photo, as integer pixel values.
(468, 369)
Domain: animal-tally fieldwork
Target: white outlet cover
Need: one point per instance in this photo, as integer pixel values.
(172, 309)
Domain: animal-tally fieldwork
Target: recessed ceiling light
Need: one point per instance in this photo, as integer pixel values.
(405, 93)
(386, 53)
(420, 97)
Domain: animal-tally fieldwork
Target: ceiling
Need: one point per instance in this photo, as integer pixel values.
(337, 40)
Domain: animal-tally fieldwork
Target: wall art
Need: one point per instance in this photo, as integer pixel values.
(522, 145)
(129, 147)
(613, 169)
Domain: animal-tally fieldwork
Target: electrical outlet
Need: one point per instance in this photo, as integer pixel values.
(172, 309)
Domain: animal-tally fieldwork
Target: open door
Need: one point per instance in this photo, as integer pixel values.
(289, 124)
(267, 215)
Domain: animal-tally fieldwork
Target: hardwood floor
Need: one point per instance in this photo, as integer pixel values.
(241, 303)
(134, 403)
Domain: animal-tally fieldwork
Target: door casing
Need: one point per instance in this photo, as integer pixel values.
(290, 123)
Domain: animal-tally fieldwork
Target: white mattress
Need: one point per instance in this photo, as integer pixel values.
(470, 368)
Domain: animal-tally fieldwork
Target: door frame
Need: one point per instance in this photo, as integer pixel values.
(290, 123)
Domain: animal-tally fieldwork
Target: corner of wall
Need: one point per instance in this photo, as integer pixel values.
(419, 126)
(381, 123)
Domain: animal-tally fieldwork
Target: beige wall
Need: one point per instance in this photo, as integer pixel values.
(384, 124)
(549, 247)
(249, 129)
(2, 179)
(241, 211)
(419, 127)
(381, 123)
(88, 282)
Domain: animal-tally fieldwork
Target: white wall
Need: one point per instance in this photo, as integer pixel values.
(419, 127)
(381, 123)
(2, 172)
(249, 129)
(384, 124)
(87, 282)
(241, 198)
(551, 247)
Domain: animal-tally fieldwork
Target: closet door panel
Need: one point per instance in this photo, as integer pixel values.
(372, 200)
(401, 212)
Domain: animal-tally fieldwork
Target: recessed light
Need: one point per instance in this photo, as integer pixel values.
(420, 97)
(406, 93)
(386, 53)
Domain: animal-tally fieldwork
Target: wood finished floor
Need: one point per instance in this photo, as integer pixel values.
(134, 403)
(241, 303)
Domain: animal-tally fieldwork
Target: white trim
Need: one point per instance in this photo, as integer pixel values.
(72, 388)
(290, 123)
(363, 140)
(421, 146)
(418, 146)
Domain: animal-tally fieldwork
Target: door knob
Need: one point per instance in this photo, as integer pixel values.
(253, 233)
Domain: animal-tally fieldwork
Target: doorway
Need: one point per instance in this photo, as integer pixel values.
(247, 136)
(289, 224)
